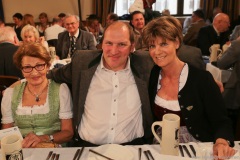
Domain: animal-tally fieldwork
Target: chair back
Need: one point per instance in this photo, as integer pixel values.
(6, 81)
(52, 42)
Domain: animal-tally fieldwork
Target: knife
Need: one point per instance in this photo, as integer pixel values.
(139, 153)
(193, 150)
(76, 154)
(146, 154)
(57, 156)
(150, 154)
(181, 150)
(49, 155)
(186, 150)
(53, 156)
(80, 153)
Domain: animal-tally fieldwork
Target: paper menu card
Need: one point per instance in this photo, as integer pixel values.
(9, 131)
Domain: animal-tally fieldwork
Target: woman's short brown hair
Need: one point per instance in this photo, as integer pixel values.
(166, 27)
(34, 49)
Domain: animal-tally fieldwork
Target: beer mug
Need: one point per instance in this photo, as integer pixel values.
(11, 147)
(225, 47)
(215, 52)
(52, 52)
(169, 140)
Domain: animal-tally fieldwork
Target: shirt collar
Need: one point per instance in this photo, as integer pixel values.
(127, 68)
(218, 33)
(75, 35)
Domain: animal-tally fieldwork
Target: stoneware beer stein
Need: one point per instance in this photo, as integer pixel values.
(215, 51)
(169, 139)
(11, 147)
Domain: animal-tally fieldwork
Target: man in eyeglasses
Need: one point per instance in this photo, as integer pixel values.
(73, 38)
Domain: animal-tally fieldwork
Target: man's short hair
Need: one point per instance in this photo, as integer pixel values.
(131, 34)
(133, 13)
(199, 13)
(70, 15)
(113, 16)
(61, 15)
(56, 20)
(7, 33)
(18, 16)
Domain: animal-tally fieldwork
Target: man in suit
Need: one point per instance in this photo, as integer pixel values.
(8, 46)
(231, 92)
(191, 55)
(190, 38)
(217, 33)
(110, 91)
(236, 33)
(73, 39)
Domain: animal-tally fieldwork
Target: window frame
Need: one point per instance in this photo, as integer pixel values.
(180, 9)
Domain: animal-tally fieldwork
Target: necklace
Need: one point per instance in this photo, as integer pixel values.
(37, 99)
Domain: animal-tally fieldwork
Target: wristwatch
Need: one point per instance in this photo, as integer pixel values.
(51, 138)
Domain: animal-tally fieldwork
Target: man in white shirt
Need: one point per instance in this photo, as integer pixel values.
(53, 31)
(110, 91)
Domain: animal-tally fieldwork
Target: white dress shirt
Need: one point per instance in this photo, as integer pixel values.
(53, 31)
(112, 112)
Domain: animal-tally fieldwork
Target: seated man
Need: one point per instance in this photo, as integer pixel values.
(190, 38)
(110, 86)
(236, 33)
(73, 39)
(8, 46)
(217, 33)
(232, 88)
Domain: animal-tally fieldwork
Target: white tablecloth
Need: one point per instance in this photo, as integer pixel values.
(218, 74)
(68, 153)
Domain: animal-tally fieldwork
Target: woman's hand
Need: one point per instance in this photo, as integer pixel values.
(222, 150)
(31, 140)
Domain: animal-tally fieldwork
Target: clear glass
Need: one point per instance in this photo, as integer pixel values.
(190, 6)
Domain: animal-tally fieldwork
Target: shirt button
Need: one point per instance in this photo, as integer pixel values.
(111, 128)
(179, 96)
(197, 135)
(186, 118)
(114, 114)
(190, 127)
(115, 73)
(114, 100)
(116, 86)
(182, 106)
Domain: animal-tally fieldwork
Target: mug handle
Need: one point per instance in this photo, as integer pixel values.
(210, 49)
(219, 53)
(160, 123)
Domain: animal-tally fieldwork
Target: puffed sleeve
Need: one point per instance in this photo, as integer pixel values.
(6, 106)
(65, 102)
